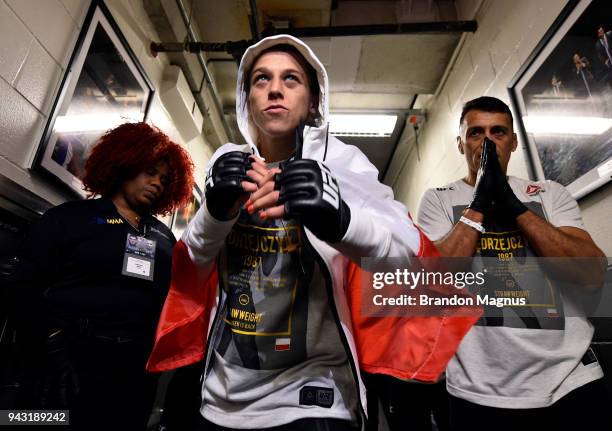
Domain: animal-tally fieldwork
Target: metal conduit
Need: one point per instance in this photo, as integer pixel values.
(209, 81)
(255, 33)
(373, 30)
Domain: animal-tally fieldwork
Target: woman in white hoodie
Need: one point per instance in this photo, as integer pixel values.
(260, 274)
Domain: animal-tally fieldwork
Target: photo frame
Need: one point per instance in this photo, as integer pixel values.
(562, 98)
(183, 216)
(103, 87)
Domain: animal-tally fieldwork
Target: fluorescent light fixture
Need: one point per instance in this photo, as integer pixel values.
(362, 124)
(563, 125)
(92, 122)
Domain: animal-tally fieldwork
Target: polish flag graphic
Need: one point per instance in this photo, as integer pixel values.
(533, 189)
(282, 344)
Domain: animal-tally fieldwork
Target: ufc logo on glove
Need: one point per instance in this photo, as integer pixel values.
(331, 192)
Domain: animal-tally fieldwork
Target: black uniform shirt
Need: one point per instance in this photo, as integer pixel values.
(74, 258)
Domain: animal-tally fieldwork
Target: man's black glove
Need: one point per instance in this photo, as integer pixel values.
(505, 201)
(486, 181)
(60, 384)
(223, 184)
(311, 194)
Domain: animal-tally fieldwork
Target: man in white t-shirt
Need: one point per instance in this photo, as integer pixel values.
(513, 372)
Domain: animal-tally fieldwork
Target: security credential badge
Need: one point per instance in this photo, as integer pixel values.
(139, 257)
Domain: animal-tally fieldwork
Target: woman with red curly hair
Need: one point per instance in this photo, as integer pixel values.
(92, 278)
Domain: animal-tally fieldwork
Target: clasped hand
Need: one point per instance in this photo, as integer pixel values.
(492, 190)
(303, 189)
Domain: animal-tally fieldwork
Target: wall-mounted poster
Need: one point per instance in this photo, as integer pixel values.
(563, 96)
(104, 86)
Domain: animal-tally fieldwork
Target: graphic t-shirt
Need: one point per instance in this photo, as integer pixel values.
(515, 357)
(277, 355)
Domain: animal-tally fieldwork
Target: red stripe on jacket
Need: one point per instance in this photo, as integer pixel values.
(409, 348)
(183, 325)
(403, 347)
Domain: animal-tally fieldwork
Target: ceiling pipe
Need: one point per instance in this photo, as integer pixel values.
(209, 81)
(234, 48)
(237, 48)
(255, 33)
(373, 30)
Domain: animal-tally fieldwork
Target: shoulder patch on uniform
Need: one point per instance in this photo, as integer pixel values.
(533, 189)
(105, 220)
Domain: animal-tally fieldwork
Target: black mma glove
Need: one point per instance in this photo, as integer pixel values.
(311, 194)
(486, 181)
(60, 384)
(223, 184)
(505, 200)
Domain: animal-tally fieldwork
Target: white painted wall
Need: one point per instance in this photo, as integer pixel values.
(37, 38)
(508, 31)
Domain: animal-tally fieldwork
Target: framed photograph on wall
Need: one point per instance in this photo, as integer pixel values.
(563, 98)
(183, 215)
(104, 86)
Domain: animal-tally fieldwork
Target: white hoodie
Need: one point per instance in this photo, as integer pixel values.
(379, 225)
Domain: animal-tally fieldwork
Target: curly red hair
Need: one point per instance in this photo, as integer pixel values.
(125, 151)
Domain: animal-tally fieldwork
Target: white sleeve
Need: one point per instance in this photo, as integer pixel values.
(565, 210)
(375, 233)
(379, 226)
(432, 217)
(205, 235)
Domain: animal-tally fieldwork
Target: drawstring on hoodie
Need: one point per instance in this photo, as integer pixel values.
(326, 141)
(299, 140)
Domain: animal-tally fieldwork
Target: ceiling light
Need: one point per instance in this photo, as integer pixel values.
(561, 125)
(362, 125)
(92, 122)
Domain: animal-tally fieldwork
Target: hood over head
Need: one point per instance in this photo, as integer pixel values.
(248, 130)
